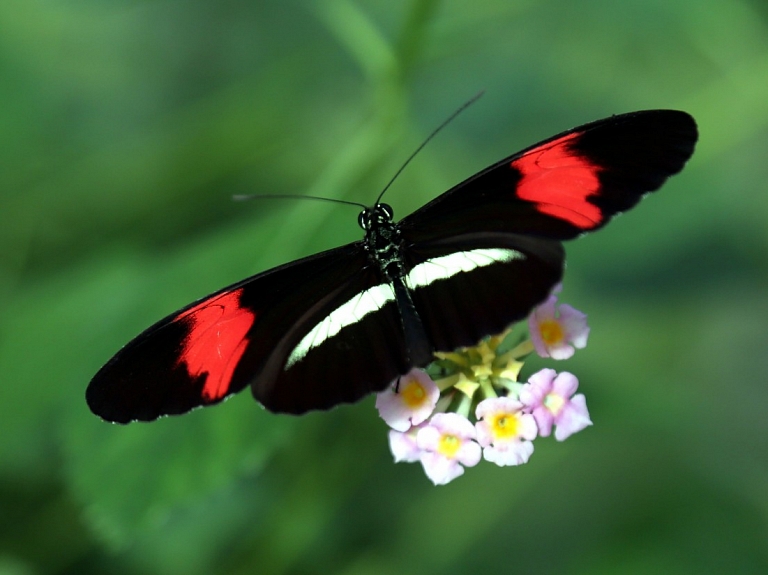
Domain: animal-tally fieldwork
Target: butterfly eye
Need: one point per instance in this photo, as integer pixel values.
(378, 214)
(364, 218)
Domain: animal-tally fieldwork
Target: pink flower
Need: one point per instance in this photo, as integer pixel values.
(408, 401)
(550, 397)
(403, 444)
(504, 431)
(447, 444)
(555, 332)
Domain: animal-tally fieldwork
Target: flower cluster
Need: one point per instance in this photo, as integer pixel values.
(469, 404)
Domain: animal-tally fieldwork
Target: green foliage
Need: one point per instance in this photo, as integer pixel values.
(125, 127)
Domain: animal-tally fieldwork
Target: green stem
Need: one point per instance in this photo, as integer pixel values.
(487, 389)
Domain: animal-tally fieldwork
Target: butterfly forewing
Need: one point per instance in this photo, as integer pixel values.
(569, 184)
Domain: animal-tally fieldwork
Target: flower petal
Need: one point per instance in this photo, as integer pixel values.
(573, 418)
(527, 427)
(561, 351)
(495, 405)
(403, 445)
(575, 323)
(565, 384)
(428, 438)
(469, 454)
(512, 453)
(453, 424)
(542, 380)
(484, 436)
(440, 470)
(544, 420)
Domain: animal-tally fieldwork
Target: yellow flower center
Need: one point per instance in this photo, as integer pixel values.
(413, 393)
(554, 403)
(449, 445)
(504, 425)
(551, 331)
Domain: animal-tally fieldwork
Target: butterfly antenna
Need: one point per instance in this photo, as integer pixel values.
(447, 121)
(246, 197)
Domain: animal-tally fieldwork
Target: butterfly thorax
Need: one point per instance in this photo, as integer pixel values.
(382, 239)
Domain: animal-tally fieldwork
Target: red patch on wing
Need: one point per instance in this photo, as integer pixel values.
(559, 183)
(216, 341)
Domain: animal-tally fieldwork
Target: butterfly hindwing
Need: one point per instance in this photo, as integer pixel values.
(343, 346)
(466, 287)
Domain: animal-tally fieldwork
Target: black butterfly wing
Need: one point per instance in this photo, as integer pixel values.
(569, 184)
(248, 333)
(347, 343)
(497, 234)
(469, 286)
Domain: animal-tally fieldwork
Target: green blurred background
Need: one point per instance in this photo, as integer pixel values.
(126, 126)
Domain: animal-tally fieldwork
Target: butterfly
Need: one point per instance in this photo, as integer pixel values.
(334, 327)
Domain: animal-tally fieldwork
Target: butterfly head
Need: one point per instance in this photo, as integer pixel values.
(374, 217)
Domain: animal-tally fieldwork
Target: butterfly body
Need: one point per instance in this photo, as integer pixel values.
(336, 326)
(383, 244)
